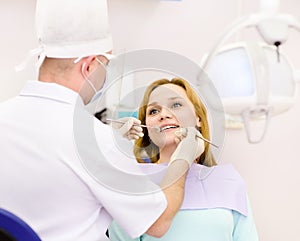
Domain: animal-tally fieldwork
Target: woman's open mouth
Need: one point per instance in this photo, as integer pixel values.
(167, 127)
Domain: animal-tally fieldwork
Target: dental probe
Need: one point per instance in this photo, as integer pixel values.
(159, 130)
(123, 122)
(208, 141)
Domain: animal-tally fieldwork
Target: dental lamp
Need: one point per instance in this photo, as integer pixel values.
(255, 80)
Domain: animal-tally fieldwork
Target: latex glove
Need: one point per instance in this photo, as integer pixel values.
(129, 129)
(190, 146)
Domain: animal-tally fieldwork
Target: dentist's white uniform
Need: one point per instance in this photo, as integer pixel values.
(43, 181)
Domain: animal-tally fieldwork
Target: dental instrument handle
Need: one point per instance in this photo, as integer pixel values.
(123, 122)
(208, 141)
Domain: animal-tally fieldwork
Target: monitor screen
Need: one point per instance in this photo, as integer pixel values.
(232, 74)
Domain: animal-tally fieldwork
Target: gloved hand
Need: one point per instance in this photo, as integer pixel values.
(129, 129)
(190, 146)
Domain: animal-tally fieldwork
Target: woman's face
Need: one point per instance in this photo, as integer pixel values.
(169, 108)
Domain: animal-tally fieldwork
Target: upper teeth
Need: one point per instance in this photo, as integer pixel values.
(168, 127)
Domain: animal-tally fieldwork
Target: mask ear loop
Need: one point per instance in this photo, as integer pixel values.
(101, 63)
(87, 79)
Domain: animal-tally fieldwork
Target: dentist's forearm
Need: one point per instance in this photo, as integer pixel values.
(173, 188)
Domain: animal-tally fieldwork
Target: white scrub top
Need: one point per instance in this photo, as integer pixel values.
(43, 181)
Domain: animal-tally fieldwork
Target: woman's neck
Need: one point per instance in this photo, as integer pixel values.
(166, 153)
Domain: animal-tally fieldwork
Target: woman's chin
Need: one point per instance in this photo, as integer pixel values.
(169, 142)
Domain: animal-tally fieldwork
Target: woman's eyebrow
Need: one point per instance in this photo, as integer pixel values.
(152, 104)
(171, 98)
(176, 97)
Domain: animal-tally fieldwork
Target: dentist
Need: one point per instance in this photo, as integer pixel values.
(42, 176)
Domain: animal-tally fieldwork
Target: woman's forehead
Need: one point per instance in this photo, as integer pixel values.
(167, 91)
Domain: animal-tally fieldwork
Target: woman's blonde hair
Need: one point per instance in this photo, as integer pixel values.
(144, 145)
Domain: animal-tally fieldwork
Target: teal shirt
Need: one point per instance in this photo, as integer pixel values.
(215, 224)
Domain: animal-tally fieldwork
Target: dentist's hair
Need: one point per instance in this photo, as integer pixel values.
(144, 148)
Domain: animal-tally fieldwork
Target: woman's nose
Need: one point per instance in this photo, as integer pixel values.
(165, 114)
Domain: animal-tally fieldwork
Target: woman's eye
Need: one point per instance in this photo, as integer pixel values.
(176, 105)
(152, 111)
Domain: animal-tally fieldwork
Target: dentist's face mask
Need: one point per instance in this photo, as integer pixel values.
(100, 90)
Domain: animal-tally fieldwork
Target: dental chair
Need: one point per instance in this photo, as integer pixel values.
(12, 228)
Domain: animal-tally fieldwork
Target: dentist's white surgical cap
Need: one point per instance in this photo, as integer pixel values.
(72, 28)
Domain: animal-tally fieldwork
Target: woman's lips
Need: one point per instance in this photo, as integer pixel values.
(168, 126)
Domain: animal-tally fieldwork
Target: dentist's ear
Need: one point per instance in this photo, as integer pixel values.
(87, 65)
(84, 70)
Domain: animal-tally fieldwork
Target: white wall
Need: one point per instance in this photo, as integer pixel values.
(190, 27)
(17, 38)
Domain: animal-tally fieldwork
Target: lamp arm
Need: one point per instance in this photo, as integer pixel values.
(274, 30)
(241, 23)
(245, 22)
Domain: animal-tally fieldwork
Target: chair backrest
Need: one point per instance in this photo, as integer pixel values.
(13, 228)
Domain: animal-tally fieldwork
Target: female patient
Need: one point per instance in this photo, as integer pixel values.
(215, 207)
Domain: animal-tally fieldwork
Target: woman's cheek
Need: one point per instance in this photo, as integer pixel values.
(186, 117)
